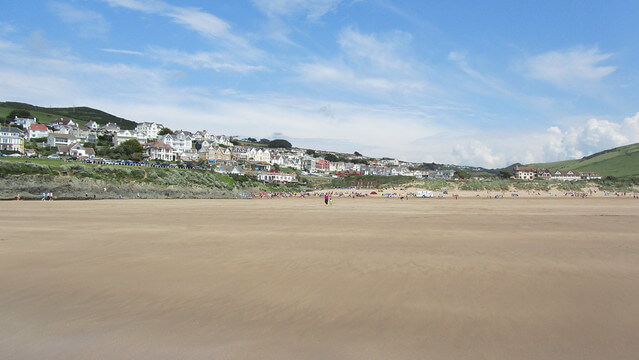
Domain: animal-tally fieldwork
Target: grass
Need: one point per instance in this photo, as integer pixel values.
(620, 162)
(42, 117)
(82, 114)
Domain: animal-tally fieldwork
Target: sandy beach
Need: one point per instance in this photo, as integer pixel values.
(552, 278)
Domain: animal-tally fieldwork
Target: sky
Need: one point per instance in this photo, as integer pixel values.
(483, 83)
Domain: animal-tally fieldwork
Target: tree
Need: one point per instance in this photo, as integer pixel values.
(21, 113)
(165, 131)
(130, 149)
(279, 143)
(357, 154)
(250, 139)
(235, 142)
(461, 174)
(310, 152)
(331, 158)
(505, 174)
(264, 141)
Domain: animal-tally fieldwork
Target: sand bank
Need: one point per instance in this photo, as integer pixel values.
(293, 279)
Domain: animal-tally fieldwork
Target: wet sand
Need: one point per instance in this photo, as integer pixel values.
(293, 279)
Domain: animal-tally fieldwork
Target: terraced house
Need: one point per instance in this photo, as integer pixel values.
(531, 173)
(11, 139)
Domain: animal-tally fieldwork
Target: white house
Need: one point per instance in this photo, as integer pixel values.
(110, 128)
(524, 172)
(123, 135)
(179, 141)
(76, 150)
(222, 140)
(56, 124)
(11, 139)
(54, 139)
(24, 122)
(262, 155)
(566, 175)
(276, 177)
(38, 131)
(93, 125)
(149, 130)
(190, 155)
(228, 170)
(160, 151)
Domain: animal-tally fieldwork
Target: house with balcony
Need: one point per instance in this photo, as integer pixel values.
(149, 130)
(55, 139)
(11, 139)
(158, 150)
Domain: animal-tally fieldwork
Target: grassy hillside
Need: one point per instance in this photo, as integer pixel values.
(619, 162)
(83, 114)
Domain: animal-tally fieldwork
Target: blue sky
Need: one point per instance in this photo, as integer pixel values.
(485, 83)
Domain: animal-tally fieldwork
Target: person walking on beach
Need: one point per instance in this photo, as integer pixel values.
(327, 197)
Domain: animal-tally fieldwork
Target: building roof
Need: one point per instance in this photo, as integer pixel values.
(11, 130)
(158, 145)
(64, 136)
(40, 127)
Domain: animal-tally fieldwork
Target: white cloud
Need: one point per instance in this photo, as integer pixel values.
(237, 49)
(90, 23)
(345, 78)
(383, 54)
(592, 136)
(569, 68)
(217, 61)
(476, 152)
(369, 64)
(201, 22)
(121, 51)
(150, 6)
(312, 9)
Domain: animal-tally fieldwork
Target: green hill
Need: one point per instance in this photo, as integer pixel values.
(83, 114)
(620, 162)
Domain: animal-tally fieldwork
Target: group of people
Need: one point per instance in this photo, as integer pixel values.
(47, 196)
(328, 198)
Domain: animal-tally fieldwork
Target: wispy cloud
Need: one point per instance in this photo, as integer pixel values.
(202, 22)
(237, 49)
(150, 6)
(120, 51)
(6, 29)
(89, 23)
(568, 68)
(368, 63)
(313, 9)
(217, 61)
(344, 77)
(383, 53)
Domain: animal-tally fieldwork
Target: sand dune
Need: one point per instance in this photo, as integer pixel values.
(293, 279)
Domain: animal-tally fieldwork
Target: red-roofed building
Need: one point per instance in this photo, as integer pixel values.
(37, 131)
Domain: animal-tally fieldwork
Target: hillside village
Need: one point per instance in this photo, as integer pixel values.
(159, 146)
(226, 154)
